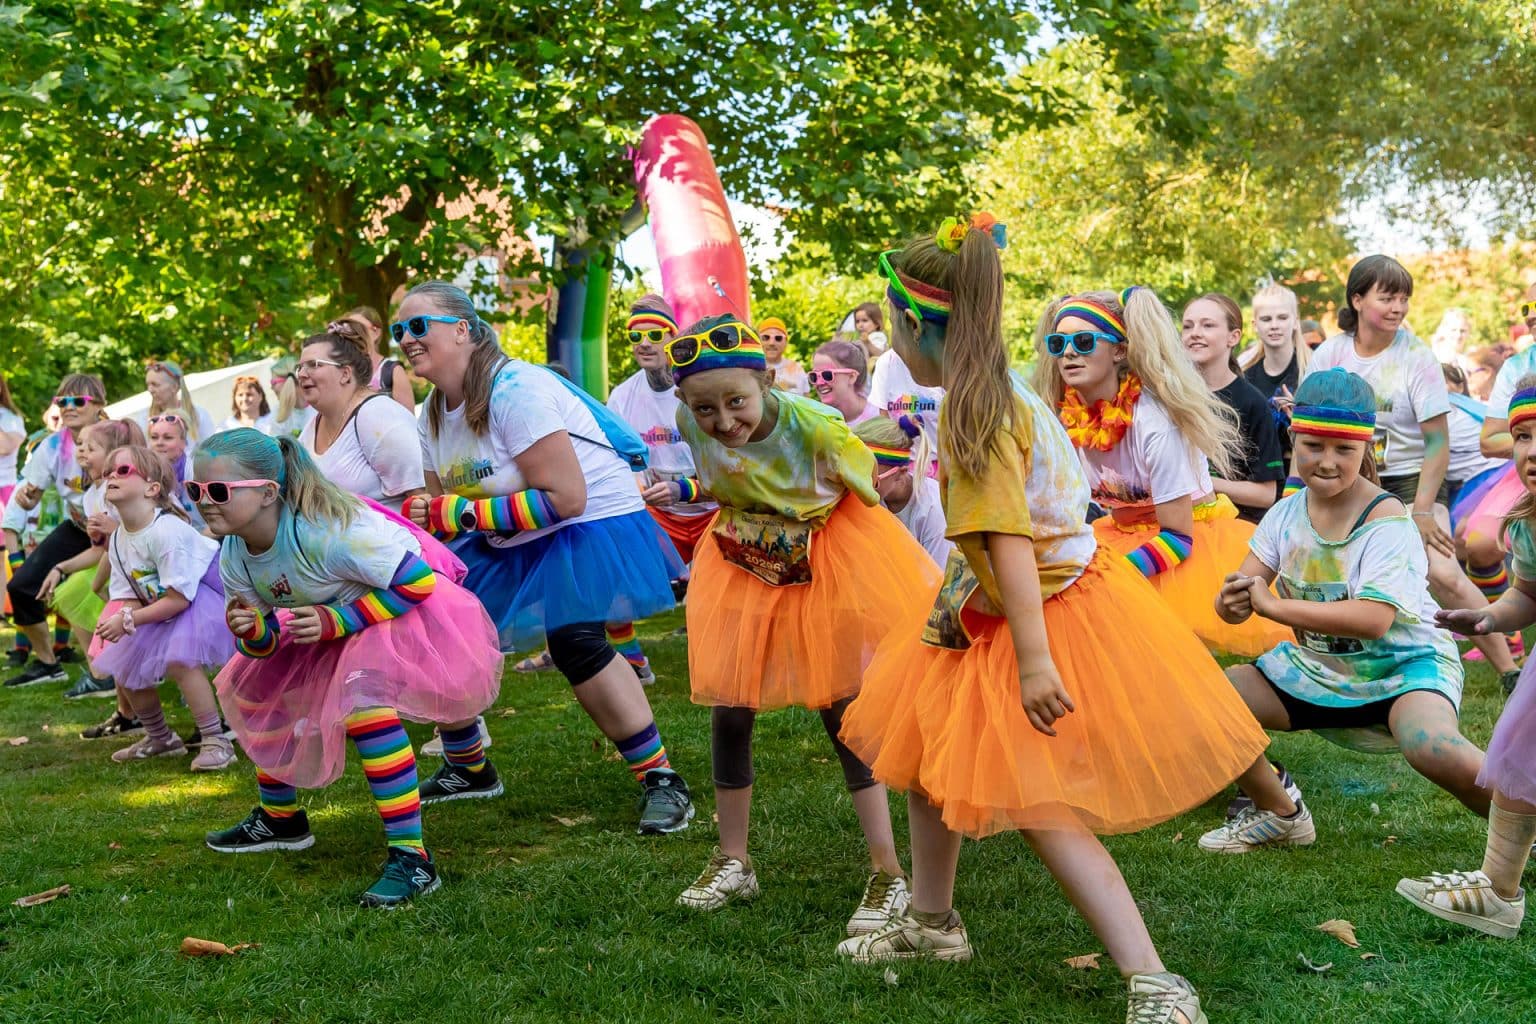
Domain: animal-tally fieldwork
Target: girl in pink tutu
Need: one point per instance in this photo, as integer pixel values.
(345, 619)
(165, 611)
(1490, 899)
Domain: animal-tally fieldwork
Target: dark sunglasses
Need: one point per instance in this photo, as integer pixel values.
(73, 401)
(1082, 342)
(218, 492)
(1526, 309)
(418, 325)
(725, 338)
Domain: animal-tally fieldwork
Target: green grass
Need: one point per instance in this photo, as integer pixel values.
(540, 920)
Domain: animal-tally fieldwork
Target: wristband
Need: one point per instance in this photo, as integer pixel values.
(261, 641)
(688, 490)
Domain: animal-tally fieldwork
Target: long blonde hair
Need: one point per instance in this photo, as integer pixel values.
(1275, 292)
(1155, 353)
(184, 400)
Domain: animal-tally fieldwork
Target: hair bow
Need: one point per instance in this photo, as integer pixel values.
(952, 231)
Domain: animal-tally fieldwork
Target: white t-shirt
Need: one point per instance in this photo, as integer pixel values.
(10, 423)
(923, 516)
(168, 554)
(1153, 463)
(790, 376)
(1409, 390)
(52, 464)
(894, 391)
(376, 455)
(1516, 368)
(528, 403)
(653, 414)
(94, 500)
(263, 424)
(1467, 458)
(314, 563)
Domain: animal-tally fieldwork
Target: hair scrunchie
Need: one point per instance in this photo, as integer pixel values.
(952, 231)
(1125, 296)
(909, 426)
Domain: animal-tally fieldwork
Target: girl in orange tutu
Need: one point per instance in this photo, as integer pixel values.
(793, 588)
(1048, 690)
(1145, 426)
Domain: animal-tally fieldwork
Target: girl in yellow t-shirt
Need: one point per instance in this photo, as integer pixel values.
(1049, 689)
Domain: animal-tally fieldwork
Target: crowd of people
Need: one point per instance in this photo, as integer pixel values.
(908, 538)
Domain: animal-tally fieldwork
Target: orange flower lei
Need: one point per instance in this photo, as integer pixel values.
(1102, 426)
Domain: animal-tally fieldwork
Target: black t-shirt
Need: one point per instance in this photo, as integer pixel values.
(1269, 387)
(1260, 460)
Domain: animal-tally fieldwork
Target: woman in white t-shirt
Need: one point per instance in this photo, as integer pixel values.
(524, 470)
(363, 445)
(840, 378)
(13, 434)
(249, 407)
(893, 391)
(1145, 428)
(291, 414)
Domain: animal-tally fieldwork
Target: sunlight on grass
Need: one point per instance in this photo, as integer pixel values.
(171, 792)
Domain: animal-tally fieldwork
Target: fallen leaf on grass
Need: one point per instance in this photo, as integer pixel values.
(1086, 962)
(17, 741)
(114, 846)
(890, 976)
(1344, 931)
(585, 819)
(508, 712)
(207, 947)
(1178, 837)
(46, 896)
(1308, 965)
(1389, 840)
(1370, 956)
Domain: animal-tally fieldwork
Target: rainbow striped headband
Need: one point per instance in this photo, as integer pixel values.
(1095, 313)
(1344, 424)
(650, 319)
(1522, 406)
(897, 456)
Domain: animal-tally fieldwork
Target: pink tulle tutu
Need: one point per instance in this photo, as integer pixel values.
(1487, 516)
(433, 551)
(439, 662)
(1510, 764)
(198, 636)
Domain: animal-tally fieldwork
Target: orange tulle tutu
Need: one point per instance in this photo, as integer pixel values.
(1190, 588)
(1158, 728)
(753, 645)
(685, 532)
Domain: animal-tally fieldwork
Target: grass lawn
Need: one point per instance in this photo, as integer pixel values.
(553, 908)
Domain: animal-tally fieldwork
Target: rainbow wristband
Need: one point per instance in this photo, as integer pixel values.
(688, 490)
(444, 513)
(413, 583)
(1161, 553)
(263, 641)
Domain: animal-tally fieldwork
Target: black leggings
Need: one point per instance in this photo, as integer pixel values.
(580, 650)
(730, 745)
(65, 542)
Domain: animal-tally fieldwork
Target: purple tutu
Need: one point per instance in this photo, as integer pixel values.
(1510, 764)
(439, 662)
(197, 637)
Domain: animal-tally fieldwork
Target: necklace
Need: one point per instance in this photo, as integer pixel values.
(1103, 425)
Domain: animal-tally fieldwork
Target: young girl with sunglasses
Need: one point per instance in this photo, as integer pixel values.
(840, 378)
(794, 587)
(167, 435)
(1145, 428)
(167, 388)
(1046, 689)
(900, 447)
(248, 406)
(345, 619)
(1490, 899)
(165, 615)
(526, 474)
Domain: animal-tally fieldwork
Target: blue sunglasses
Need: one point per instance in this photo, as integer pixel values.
(417, 325)
(1082, 342)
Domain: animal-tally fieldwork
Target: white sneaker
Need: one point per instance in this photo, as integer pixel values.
(1255, 829)
(434, 746)
(906, 938)
(1162, 999)
(1468, 898)
(725, 879)
(885, 896)
(214, 755)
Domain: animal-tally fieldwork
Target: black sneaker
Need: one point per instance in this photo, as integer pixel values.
(454, 783)
(407, 874)
(260, 831)
(90, 686)
(665, 805)
(1242, 802)
(116, 724)
(66, 655)
(36, 672)
(194, 739)
(17, 656)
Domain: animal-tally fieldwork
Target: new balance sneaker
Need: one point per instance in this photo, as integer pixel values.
(1466, 898)
(260, 832)
(1254, 829)
(90, 686)
(454, 783)
(885, 897)
(148, 747)
(907, 938)
(665, 805)
(724, 880)
(214, 755)
(1162, 999)
(434, 746)
(36, 672)
(1243, 801)
(407, 874)
(116, 723)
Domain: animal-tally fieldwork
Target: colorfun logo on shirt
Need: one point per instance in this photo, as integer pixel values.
(662, 435)
(911, 403)
(467, 473)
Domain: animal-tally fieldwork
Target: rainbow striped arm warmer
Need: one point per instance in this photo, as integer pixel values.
(1161, 553)
(1292, 485)
(263, 642)
(445, 513)
(510, 514)
(688, 490)
(413, 583)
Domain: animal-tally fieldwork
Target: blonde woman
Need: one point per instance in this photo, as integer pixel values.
(1276, 364)
(167, 387)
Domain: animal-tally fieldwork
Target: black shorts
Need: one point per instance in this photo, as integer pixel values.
(1405, 488)
(1305, 716)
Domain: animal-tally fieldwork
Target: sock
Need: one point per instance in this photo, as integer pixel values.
(643, 751)
(22, 643)
(1492, 580)
(622, 636)
(209, 725)
(60, 634)
(278, 799)
(390, 766)
(153, 717)
(1509, 846)
(462, 747)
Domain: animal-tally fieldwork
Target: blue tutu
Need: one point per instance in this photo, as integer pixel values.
(617, 569)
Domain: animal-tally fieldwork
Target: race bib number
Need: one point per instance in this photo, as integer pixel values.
(775, 550)
(954, 619)
(1320, 643)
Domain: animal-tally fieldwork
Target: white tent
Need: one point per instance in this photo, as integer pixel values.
(212, 390)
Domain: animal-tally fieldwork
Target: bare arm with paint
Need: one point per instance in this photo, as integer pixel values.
(1437, 459)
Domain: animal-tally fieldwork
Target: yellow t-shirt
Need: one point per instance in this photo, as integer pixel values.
(1033, 487)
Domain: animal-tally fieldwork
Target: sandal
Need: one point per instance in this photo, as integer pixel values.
(541, 662)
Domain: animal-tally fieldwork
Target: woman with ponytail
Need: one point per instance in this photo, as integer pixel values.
(526, 474)
(972, 706)
(346, 619)
(167, 387)
(1149, 437)
(902, 458)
